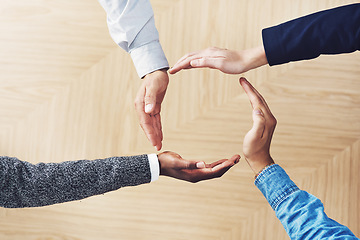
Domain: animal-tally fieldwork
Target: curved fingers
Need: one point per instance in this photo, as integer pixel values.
(187, 56)
(256, 99)
(206, 54)
(150, 124)
(158, 125)
(183, 62)
(213, 170)
(258, 102)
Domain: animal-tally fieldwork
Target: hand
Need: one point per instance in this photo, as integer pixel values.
(148, 105)
(256, 146)
(173, 165)
(227, 61)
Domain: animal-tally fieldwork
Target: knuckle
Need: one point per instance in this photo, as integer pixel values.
(150, 91)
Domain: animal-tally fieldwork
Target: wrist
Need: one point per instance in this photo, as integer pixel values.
(263, 169)
(256, 57)
(160, 165)
(162, 72)
(258, 165)
(164, 164)
(158, 75)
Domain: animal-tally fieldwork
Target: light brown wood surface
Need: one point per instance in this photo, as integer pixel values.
(67, 92)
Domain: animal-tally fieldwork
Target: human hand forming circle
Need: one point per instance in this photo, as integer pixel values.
(227, 61)
(173, 165)
(148, 105)
(256, 145)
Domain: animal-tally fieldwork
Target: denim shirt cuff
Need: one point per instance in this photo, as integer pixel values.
(275, 185)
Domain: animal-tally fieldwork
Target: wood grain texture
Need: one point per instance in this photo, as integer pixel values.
(67, 93)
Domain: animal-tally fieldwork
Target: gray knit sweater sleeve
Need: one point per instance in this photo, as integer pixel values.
(23, 184)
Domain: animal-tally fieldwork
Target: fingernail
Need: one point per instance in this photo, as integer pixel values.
(148, 108)
(258, 112)
(200, 165)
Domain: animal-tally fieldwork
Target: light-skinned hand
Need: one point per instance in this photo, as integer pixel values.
(173, 165)
(227, 61)
(256, 146)
(148, 105)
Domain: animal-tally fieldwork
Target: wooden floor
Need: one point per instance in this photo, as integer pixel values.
(67, 91)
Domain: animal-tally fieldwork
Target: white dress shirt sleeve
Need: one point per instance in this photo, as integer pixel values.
(154, 166)
(132, 26)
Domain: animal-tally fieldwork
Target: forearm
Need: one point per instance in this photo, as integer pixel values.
(27, 185)
(301, 214)
(333, 31)
(301, 205)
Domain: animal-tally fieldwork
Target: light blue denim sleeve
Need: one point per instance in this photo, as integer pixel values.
(301, 213)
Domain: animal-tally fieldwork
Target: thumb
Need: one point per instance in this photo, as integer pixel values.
(259, 123)
(188, 164)
(207, 62)
(200, 165)
(150, 100)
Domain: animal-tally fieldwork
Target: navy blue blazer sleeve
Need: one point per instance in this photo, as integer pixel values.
(332, 31)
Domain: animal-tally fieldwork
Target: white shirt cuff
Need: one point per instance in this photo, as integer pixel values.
(154, 166)
(149, 58)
